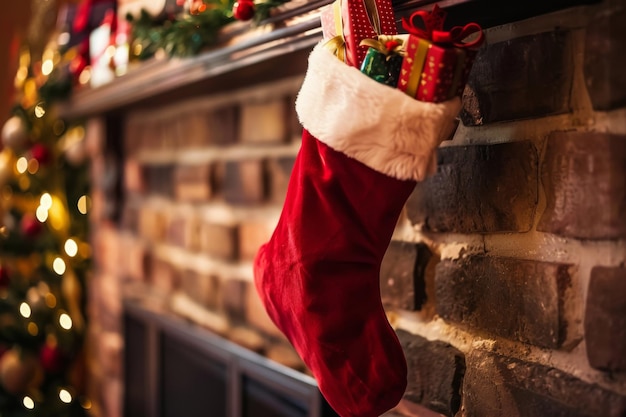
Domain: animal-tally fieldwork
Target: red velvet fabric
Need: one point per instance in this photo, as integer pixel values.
(318, 277)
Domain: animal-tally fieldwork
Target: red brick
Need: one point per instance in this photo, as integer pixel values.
(253, 234)
(605, 42)
(605, 319)
(244, 182)
(163, 276)
(209, 127)
(132, 136)
(497, 386)
(584, 175)
(168, 131)
(537, 70)
(192, 183)
(265, 122)
(225, 125)
(193, 129)
(517, 299)
(200, 287)
(233, 298)
(176, 227)
(479, 189)
(435, 373)
(184, 229)
(279, 171)
(153, 223)
(193, 232)
(402, 276)
(159, 179)
(219, 240)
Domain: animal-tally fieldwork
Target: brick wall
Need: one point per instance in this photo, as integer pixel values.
(505, 278)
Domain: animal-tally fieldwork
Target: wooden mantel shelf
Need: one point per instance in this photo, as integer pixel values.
(282, 42)
(278, 48)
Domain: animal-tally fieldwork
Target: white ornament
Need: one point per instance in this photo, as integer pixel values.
(14, 134)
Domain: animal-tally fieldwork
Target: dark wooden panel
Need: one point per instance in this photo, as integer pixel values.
(260, 401)
(135, 368)
(193, 385)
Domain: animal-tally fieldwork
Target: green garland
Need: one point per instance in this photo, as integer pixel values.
(187, 34)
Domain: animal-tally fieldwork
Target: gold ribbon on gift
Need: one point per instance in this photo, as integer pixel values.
(337, 44)
(417, 64)
(386, 45)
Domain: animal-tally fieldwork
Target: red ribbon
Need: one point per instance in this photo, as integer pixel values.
(433, 29)
(84, 11)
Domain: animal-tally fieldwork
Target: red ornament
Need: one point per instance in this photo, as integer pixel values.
(244, 10)
(30, 226)
(52, 358)
(41, 153)
(5, 278)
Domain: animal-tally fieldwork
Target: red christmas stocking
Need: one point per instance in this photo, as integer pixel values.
(363, 147)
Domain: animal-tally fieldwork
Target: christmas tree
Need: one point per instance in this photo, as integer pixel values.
(44, 250)
(44, 188)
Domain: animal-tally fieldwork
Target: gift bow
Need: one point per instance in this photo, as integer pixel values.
(433, 29)
(387, 45)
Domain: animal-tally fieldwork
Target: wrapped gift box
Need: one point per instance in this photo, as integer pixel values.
(347, 22)
(437, 63)
(383, 59)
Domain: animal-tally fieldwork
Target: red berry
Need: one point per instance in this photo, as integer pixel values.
(40, 153)
(52, 358)
(31, 227)
(243, 10)
(392, 44)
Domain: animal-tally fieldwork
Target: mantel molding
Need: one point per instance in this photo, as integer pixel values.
(277, 48)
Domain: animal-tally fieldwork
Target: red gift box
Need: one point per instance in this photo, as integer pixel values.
(345, 23)
(437, 63)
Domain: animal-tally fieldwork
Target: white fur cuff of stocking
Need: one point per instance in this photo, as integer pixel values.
(381, 127)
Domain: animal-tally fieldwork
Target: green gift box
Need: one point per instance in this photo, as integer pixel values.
(383, 60)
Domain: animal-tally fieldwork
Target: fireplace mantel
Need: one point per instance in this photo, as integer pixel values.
(276, 49)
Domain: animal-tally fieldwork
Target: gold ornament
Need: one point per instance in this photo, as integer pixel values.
(6, 166)
(17, 372)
